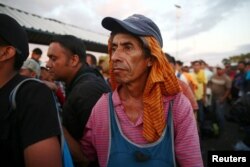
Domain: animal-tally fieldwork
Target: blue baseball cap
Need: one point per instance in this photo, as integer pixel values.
(136, 24)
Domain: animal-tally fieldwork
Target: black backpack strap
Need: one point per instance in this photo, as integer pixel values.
(8, 119)
(13, 93)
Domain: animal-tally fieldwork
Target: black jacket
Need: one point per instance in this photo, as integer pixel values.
(81, 95)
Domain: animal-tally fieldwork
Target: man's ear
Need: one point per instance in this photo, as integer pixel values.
(149, 64)
(75, 60)
(7, 53)
(33, 74)
(150, 61)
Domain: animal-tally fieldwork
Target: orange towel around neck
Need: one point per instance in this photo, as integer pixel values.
(161, 81)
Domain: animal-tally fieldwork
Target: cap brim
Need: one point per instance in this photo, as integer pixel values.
(23, 67)
(115, 25)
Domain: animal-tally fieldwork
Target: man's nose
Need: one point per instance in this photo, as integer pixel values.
(117, 55)
(48, 64)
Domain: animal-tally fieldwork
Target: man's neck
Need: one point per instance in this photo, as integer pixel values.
(72, 77)
(133, 90)
(6, 77)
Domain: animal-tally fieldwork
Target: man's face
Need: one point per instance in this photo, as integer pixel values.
(59, 62)
(35, 56)
(128, 59)
(241, 67)
(196, 67)
(89, 60)
(220, 71)
(45, 75)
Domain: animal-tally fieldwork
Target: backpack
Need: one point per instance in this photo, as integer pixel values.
(240, 110)
(66, 156)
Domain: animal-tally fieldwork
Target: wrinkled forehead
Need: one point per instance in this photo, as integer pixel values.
(126, 38)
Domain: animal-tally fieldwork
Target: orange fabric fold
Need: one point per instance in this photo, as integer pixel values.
(161, 81)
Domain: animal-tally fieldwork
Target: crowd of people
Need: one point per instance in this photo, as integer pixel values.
(137, 106)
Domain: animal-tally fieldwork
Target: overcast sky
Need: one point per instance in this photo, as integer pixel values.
(200, 29)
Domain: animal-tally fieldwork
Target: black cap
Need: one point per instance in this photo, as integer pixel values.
(136, 24)
(14, 34)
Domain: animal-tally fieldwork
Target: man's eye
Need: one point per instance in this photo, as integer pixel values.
(128, 48)
(113, 49)
(53, 58)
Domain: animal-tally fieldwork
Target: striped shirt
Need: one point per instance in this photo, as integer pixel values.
(95, 142)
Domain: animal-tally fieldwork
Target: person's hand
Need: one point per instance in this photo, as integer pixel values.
(75, 149)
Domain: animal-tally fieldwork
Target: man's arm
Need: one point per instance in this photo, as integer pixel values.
(46, 152)
(39, 126)
(75, 150)
(187, 145)
(228, 91)
(224, 97)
